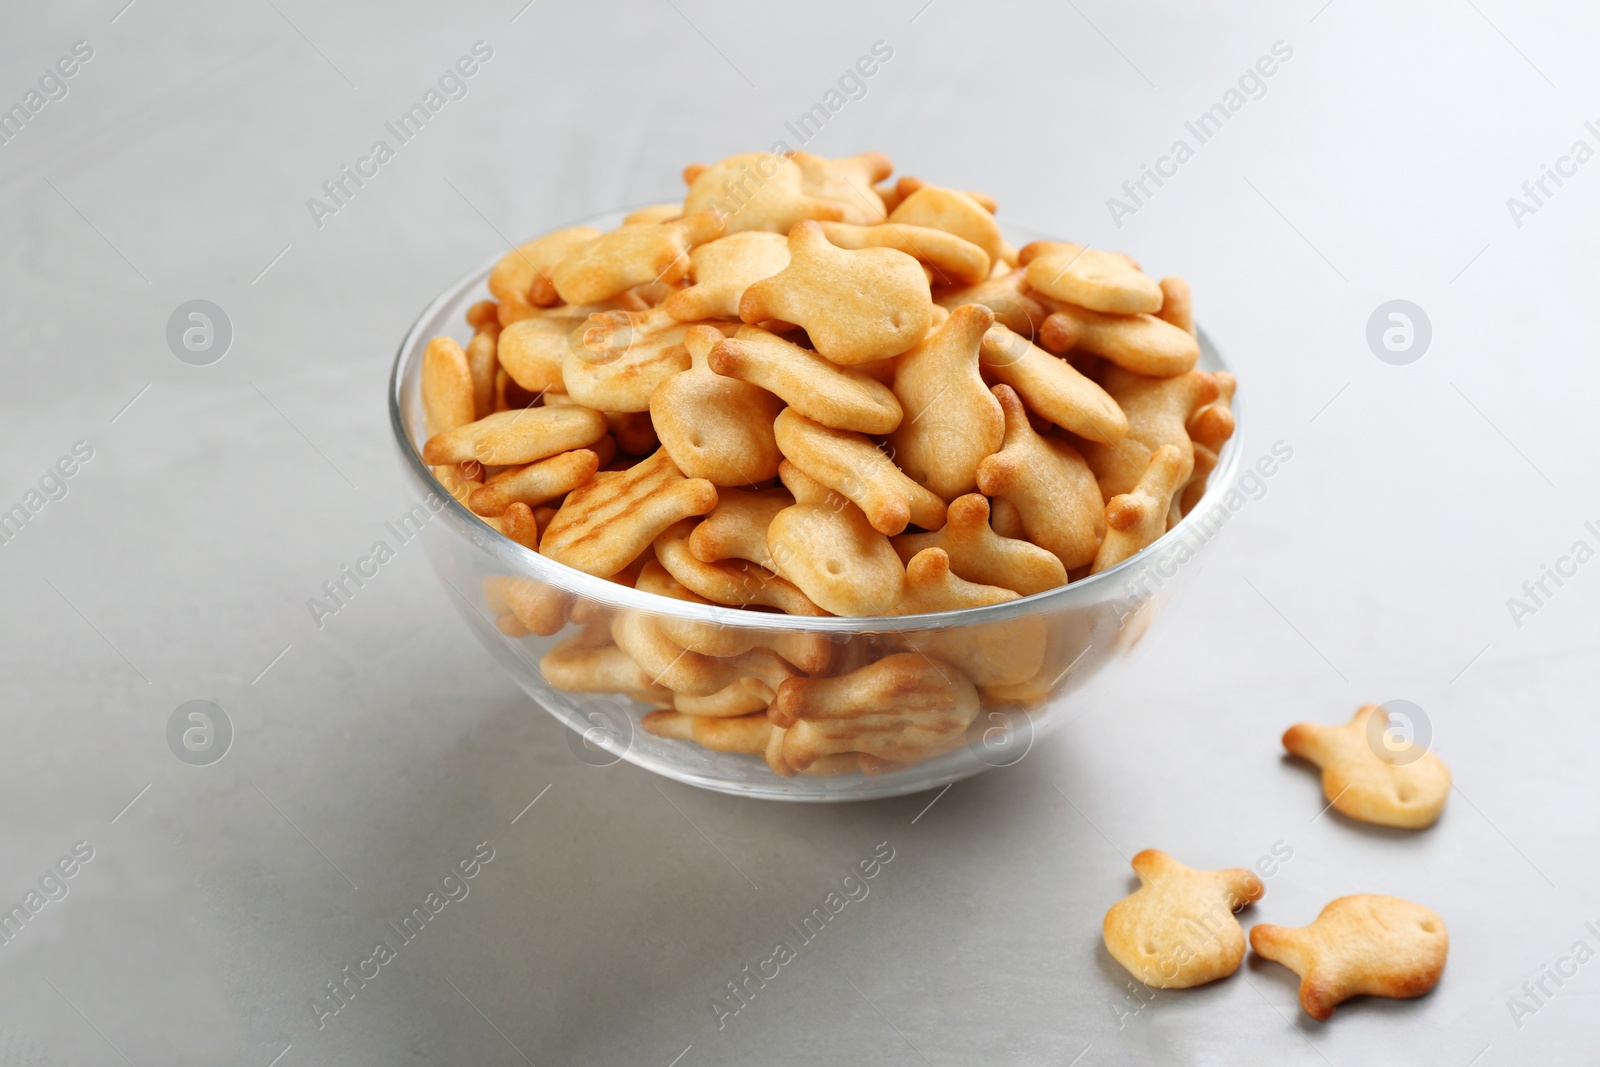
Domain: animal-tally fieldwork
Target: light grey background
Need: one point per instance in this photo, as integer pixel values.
(380, 749)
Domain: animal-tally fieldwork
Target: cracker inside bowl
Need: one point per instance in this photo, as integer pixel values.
(596, 560)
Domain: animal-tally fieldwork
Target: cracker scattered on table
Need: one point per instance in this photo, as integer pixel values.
(1178, 929)
(1371, 774)
(1359, 945)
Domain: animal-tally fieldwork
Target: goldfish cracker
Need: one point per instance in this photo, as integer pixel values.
(1050, 485)
(1135, 519)
(895, 708)
(850, 464)
(952, 421)
(844, 398)
(520, 281)
(1090, 278)
(856, 306)
(605, 266)
(1052, 387)
(733, 583)
(1140, 343)
(953, 212)
(737, 526)
(837, 559)
(506, 438)
(756, 191)
(607, 523)
(847, 182)
(953, 260)
(716, 427)
(978, 554)
(1368, 944)
(447, 397)
(538, 483)
(723, 269)
(1158, 411)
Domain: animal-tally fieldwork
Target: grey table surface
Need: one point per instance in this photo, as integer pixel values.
(372, 754)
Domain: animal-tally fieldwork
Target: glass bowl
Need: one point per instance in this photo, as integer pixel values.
(1031, 653)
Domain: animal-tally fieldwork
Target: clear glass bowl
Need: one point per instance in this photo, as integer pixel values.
(1036, 651)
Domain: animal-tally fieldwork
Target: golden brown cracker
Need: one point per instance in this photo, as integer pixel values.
(1091, 278)
(953, 260)
(1365, 944)
(756, 191)
(847, 182)
(607, 265)
(1158, 410)
(1052, 387)
(850, 464)
(1370, 773)
(732, 583)
(580, 665)
(1177, 930)
(1140, 343)
(506, 438)
(737, 526)
(723, 269)
(531, 350)
(845, 398)
(836, 558)
(953, 212)
(520, 281)
(1134, 520)
(540, 608)
(653, 213)
(540, 482)
(447, 395)
(896, 709)
(716, 427)
(1004, 294)
(1177, 304)
(605, 524)
(666, 663)
(952, 421)
(979, 554)
(1050, 485)
(745, 733)
(856, 306)
(930, 587)
(624, 356)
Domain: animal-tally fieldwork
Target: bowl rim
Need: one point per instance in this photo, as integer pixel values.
(1088, 589)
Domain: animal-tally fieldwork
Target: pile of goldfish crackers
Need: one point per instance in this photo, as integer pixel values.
(806, 390)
